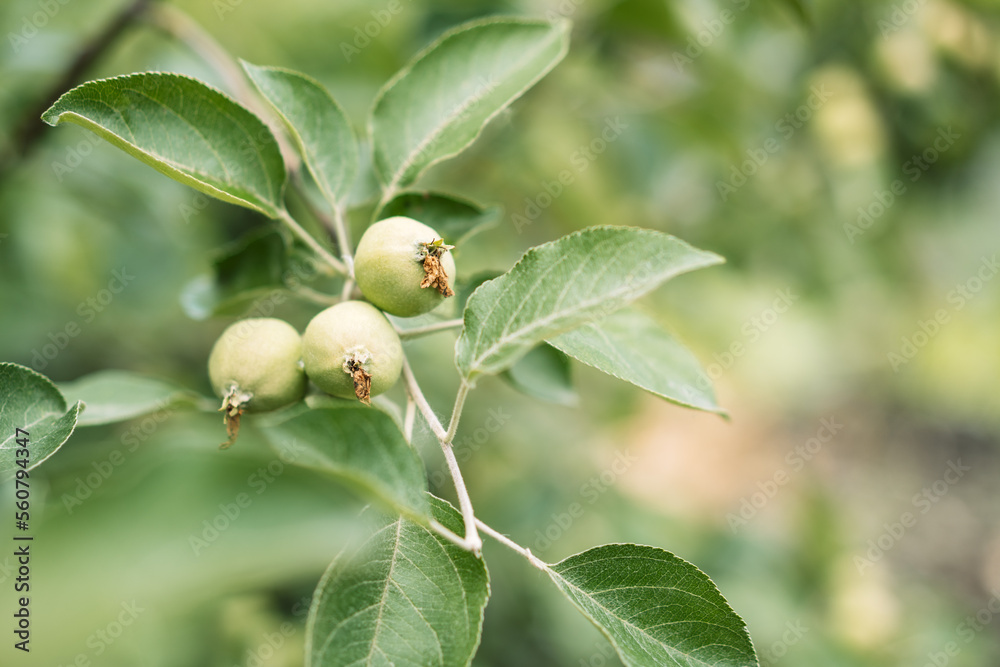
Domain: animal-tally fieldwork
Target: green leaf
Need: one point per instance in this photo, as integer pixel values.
(185, 129)
(543, 373)
(564, 284)
(454, 218)
(29, 401)
(317, 124)
(655, 608)
(632, 347)
(361, 447)
(405, 597)
(248, 269)
(114, 396)
(438, 104)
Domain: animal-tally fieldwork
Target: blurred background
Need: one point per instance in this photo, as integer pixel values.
(843, 157)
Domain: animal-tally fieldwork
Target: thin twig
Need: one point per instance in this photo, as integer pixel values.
(308, 239)
(524, 551)
(430, 328)
(343, 236)
(456, 413)
(418, 397)
(450, 536)
(316, 296)
(465, 503)
(410, 419)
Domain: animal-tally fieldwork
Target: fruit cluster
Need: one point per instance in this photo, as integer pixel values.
(349, 350)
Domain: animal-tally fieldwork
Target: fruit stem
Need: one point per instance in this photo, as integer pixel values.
(474, 542)
(430, 328)
(409, 419)
(306, 237)
(456, 413)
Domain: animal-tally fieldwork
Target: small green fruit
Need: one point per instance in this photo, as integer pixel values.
(403, 267)
(261, 358)
(351, 350)
(256, 366)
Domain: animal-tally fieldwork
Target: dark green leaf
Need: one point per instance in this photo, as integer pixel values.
(405, 597)
(185, 129)
(252, 268)
(360, 446)
(655, 608)
(455, 219)
(543, 373)
(29, 401)
(318, 126)
(438, 104)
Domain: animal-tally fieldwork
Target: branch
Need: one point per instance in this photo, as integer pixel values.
(429, 329)
(31, 128)
(465, 503)
(186, 30)
(506, 541)
(308, 239)
(456, 412)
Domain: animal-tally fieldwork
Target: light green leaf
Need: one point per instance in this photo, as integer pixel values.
(564, 284)
(317, 124)
(185, 129)
(454, 218)
(29, 401)
(632, 347)
(655, 608)
(360, 446)
(404, 597)
(114, 396)
(438, 104)
(543, 373)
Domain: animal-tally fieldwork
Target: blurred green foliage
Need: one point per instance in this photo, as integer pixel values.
(861, 141)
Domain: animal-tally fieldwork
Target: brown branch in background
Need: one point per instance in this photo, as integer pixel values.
(30, 129)
(189, 32)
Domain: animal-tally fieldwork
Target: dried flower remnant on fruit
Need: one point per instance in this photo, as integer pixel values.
(355, 365)
(434, 273)
(232, 409)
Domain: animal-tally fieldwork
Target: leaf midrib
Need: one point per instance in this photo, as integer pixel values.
(641, 631)
(408, 162)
